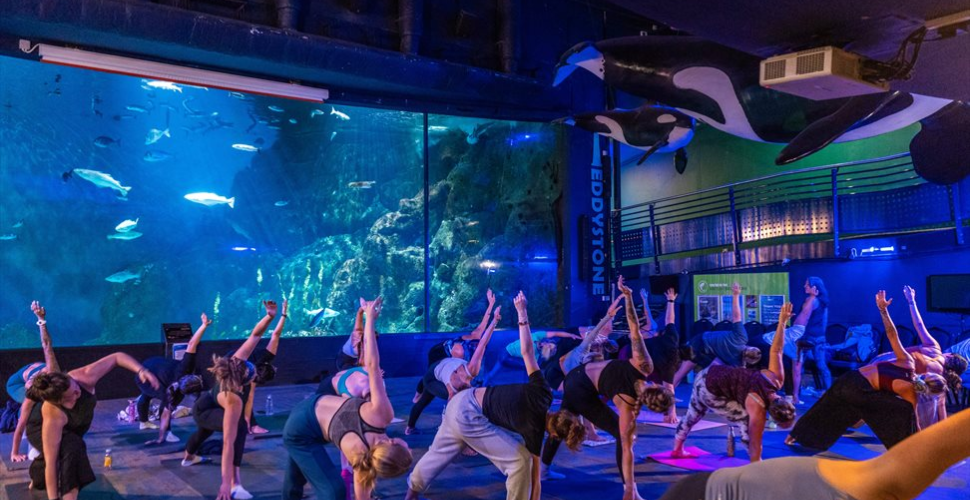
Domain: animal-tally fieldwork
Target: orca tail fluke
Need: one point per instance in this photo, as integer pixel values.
(940, 150)
(822, 132)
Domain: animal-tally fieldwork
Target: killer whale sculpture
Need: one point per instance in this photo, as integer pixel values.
(719, 86)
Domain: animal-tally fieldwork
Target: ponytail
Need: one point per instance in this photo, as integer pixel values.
(386, 459)
(930, 384)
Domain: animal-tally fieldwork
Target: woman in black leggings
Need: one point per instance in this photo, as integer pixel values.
(222, 410)
(625, 384)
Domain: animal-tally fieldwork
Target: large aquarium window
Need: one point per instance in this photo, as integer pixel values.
(128, 203)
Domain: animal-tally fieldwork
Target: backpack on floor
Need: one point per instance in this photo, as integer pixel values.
(9, 417)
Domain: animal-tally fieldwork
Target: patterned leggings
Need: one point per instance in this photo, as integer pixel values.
(701, 400)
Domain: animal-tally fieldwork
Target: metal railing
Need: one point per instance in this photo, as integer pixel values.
(826, 203)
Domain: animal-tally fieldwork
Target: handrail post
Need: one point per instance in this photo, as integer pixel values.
(835, 213)
(955, 209)
(655, 241)
(735, 228)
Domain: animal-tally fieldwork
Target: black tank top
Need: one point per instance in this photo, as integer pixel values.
(887, 372)
(79, 418)
(347, 419)
(619, 377)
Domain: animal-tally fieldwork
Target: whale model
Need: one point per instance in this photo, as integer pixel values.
(719, 86)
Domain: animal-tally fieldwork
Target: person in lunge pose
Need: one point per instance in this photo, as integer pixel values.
(744, 397)
(624, 383)
(504, 423)
(357, 427)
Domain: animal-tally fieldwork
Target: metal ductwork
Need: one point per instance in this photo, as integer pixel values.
(288, 14)
(410, 16)
(508, 35)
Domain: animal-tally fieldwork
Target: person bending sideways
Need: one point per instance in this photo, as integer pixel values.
(504, 423)
(744, 397)
(624, 383)
(177, 379)
(356, 427)
(57, 427)
(222, 409)
(20, 382)
(902, 473)
(884, 394)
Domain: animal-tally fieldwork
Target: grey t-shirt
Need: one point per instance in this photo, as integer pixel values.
(789, 478)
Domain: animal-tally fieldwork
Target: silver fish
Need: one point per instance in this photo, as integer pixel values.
(105, 141)
(136, 109)
(124, 276)
(163, 85)
(99, 179)
(361, 184)
(281, 203)
(126, 226)
(211, 199)
(245, 147)
(7, 237)
(275, 109)
(156, 156)
(338, 114)
(154, 135)
(130, 235)
(316, 112)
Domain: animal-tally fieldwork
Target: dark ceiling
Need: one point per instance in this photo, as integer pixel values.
(872, 28)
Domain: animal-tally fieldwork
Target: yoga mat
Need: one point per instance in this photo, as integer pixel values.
(6, 444)
(651, 418)
(703, 461)
(205, 478)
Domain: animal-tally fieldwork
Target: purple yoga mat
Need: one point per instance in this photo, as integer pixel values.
(702, 460)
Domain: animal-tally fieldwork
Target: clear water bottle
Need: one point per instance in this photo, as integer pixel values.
(730, 441)
(269, 405)
(107, 458)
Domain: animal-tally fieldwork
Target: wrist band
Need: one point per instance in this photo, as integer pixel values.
(41, 322)
(524, 323)
(670, 301)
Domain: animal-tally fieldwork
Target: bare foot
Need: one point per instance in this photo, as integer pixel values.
(681, 454)
(258, 430)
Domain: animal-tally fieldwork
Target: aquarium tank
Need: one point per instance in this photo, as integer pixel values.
(128, 203)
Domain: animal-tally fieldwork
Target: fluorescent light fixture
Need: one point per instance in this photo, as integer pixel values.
(77, 58)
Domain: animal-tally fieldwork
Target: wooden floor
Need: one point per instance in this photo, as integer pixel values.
(154, 473)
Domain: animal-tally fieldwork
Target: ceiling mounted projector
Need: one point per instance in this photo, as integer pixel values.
(818, 74)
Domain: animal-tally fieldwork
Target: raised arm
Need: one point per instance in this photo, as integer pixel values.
(924, 335)
(735, 303)
(775, 364)
(383, 411)
(670, 314)
(197, 336)
(475, 364)
(357, 335)
(45, 337)
(641, 358)
(526, 346)
(89, 375)
(274, 340)
(901, 353)
(477, 332)
(247, 348)
(646, 307)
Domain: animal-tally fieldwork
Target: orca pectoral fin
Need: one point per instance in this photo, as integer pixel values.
(941, 149)
(680, 160)
(821, 133)
(659, 144)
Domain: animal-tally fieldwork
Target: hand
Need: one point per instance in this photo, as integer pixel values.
(521, 304)
(643, 293)
(497, 315)
(153, 442)
(490, 296)
(614, 308)
(625, 290)
(205, 320)
(17, 458)
(671, 294)
(225, 492)
(910, 294)
(38, 310)
(148, 377)
(270, 308)
(671, 418)
(363, 303)
(881, 301)
(735, 289)
(373, 308)
(785, 313)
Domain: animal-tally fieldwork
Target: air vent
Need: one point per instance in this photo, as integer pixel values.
(810, 63)
(775, 70)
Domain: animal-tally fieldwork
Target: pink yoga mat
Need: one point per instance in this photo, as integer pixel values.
(702, 461)
(651, 418)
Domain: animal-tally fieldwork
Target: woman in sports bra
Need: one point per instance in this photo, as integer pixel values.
(222, 409)
(884, 394)
(357, 427)
(624, 383)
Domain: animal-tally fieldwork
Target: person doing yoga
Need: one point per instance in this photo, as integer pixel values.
(20, 382)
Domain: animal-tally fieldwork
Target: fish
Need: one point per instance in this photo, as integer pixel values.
(156, 156)
(19, 224)
(118, 118)
(154, 135)
(338, 114)
(317, 112)
(7, 237)
(124, 276)
(99, 179)
(477, 133)
(437, 128)
(163, 85)
(245, 147)
(105, 141)
(281, 203)
(320, 315)
(136, 109)
(126, 226)
(240, 96)
(211, 199)
(332, 135)
(361, 184)
(243, 249)
(130, 235)
(275, 109)
(292, 121)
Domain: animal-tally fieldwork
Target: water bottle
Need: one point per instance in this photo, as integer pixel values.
(107, 458)
(269, 405)
(730, 441)
(132, 411)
